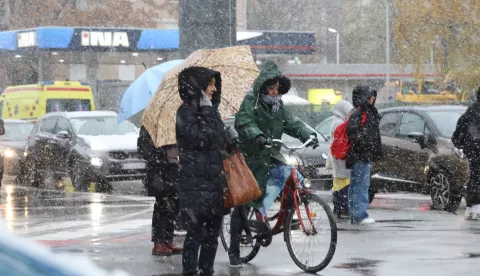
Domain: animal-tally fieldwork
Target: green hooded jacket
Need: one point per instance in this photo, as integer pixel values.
(255, 118)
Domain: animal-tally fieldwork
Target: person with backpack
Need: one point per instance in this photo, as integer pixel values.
(365, 146)
(467, 138)
(341, 175)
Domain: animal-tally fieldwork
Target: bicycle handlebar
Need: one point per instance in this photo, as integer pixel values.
(292, 148)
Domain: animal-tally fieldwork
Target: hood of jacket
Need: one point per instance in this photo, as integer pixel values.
(193, 80)
(270, 74)
(361, 94)
(342, 109)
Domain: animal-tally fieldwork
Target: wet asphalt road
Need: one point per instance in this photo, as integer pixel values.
(114, 231)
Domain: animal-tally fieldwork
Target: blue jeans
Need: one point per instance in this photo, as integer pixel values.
(278, 176)
(358, 191)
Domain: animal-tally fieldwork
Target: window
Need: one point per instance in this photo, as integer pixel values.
(324, 127)
(17, 131)
(389, 123)
(411, 123)
(62, 125)
(48, 124)
(66, 105)
(101, 126)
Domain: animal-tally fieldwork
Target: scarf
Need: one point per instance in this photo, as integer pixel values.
(274, 102)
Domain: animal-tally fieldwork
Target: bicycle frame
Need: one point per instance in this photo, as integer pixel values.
(290, 188)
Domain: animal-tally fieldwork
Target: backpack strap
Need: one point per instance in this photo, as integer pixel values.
(364, 118)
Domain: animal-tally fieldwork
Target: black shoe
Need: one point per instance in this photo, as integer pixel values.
(235, 261)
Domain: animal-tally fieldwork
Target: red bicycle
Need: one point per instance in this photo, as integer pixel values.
(300, 219)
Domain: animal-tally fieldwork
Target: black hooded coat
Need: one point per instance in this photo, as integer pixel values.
(201, 141)
(467, 132)
(366, 141)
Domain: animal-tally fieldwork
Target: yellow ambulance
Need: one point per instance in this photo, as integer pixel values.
(29, 102)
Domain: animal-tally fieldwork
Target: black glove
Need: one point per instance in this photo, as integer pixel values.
(260, 141)
(314, 143)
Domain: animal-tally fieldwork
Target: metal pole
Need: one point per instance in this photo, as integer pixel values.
(245, 14)
(387, 40)
(338, 48)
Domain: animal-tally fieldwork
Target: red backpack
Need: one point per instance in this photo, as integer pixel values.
(341, 144)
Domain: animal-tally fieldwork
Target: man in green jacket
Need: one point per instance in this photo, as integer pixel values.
(262, 116)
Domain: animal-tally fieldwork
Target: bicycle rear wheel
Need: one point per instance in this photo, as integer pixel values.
(247, 251)
(312, 240)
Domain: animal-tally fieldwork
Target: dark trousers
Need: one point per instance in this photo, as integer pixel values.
(203, 236)
(340, 201)
(163, 219)
(162, 183)
(473, 187)
(236, 228)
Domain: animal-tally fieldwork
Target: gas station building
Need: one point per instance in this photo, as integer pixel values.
(111, 58)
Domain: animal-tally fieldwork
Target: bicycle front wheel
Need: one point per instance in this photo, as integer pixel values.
(311, 233)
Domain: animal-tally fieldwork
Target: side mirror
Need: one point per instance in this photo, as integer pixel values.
(418, 137)
(63, 135)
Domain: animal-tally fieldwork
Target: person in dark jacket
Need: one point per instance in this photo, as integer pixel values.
(201, 141)
(467, 138)
(161, 183)
(366, 148)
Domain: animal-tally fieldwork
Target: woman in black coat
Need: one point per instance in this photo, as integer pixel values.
(201, 141)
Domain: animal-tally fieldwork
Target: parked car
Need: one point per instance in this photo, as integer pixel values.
(324, 127)
(418, 153)
(314, 159)
(13, 144)
(88, 146)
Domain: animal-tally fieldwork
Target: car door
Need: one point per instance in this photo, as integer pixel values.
(61, 144)
(389, 124)
(42, 145)
(411, 157)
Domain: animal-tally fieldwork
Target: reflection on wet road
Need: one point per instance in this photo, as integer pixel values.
(114, 230)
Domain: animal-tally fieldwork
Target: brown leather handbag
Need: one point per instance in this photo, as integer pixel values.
(242, 186)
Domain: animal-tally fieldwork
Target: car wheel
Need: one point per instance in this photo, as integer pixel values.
(79, 180)
(444, 195)
(103, 186)
(37, 178)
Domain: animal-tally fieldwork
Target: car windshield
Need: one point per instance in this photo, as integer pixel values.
(101, 126)
(16, 131)
(446, 121)
(65, 105)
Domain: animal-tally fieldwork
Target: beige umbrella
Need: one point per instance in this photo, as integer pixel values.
(238, 71)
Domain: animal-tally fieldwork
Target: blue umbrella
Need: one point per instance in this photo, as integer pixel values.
(139, 93)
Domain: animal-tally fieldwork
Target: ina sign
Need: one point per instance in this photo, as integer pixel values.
(105, 39)
(26, 39)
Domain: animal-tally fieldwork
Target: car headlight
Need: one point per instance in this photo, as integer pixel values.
(96, 161)
(307, 183)
(324, 155)
(459, 153)
(10, 153)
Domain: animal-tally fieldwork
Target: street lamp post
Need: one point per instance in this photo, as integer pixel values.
(338, 43)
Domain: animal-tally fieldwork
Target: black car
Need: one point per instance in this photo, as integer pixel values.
(419, 153)
(87, 146)
(314, 159)
(13, 144)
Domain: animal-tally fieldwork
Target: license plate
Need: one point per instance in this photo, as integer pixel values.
(133, 166)
(322, 171)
